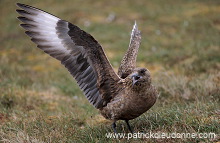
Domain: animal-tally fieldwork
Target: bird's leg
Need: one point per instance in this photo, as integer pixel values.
(129, 127)
(114, 127)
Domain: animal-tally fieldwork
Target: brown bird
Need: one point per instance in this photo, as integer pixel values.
(122, 96)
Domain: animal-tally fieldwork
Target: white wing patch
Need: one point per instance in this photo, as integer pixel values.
(43, 29)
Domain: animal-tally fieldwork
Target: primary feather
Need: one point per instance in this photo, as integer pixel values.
(77, 50)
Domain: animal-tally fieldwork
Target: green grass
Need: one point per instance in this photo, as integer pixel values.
(41, 102)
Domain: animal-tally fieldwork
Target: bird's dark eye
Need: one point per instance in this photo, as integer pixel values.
(142, 71)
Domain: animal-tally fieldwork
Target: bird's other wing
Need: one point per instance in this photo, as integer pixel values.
(128, 62)
(77, 50)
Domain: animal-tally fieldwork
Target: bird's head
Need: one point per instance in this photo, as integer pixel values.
(139, 78)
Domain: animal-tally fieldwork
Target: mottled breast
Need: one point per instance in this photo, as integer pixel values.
(130, 104)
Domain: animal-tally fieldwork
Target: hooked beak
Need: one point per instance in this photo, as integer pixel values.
(135, 78)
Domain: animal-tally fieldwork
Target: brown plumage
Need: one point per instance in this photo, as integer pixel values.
(122, 96)
(128, 62)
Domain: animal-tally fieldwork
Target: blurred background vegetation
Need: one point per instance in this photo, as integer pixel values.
(41, 102)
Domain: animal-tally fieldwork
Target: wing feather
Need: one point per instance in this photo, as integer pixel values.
(77, 50)
(128, 62)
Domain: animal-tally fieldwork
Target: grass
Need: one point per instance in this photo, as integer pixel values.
(40, 101)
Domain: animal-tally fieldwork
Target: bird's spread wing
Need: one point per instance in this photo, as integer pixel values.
(128, 62)
(77, 50)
